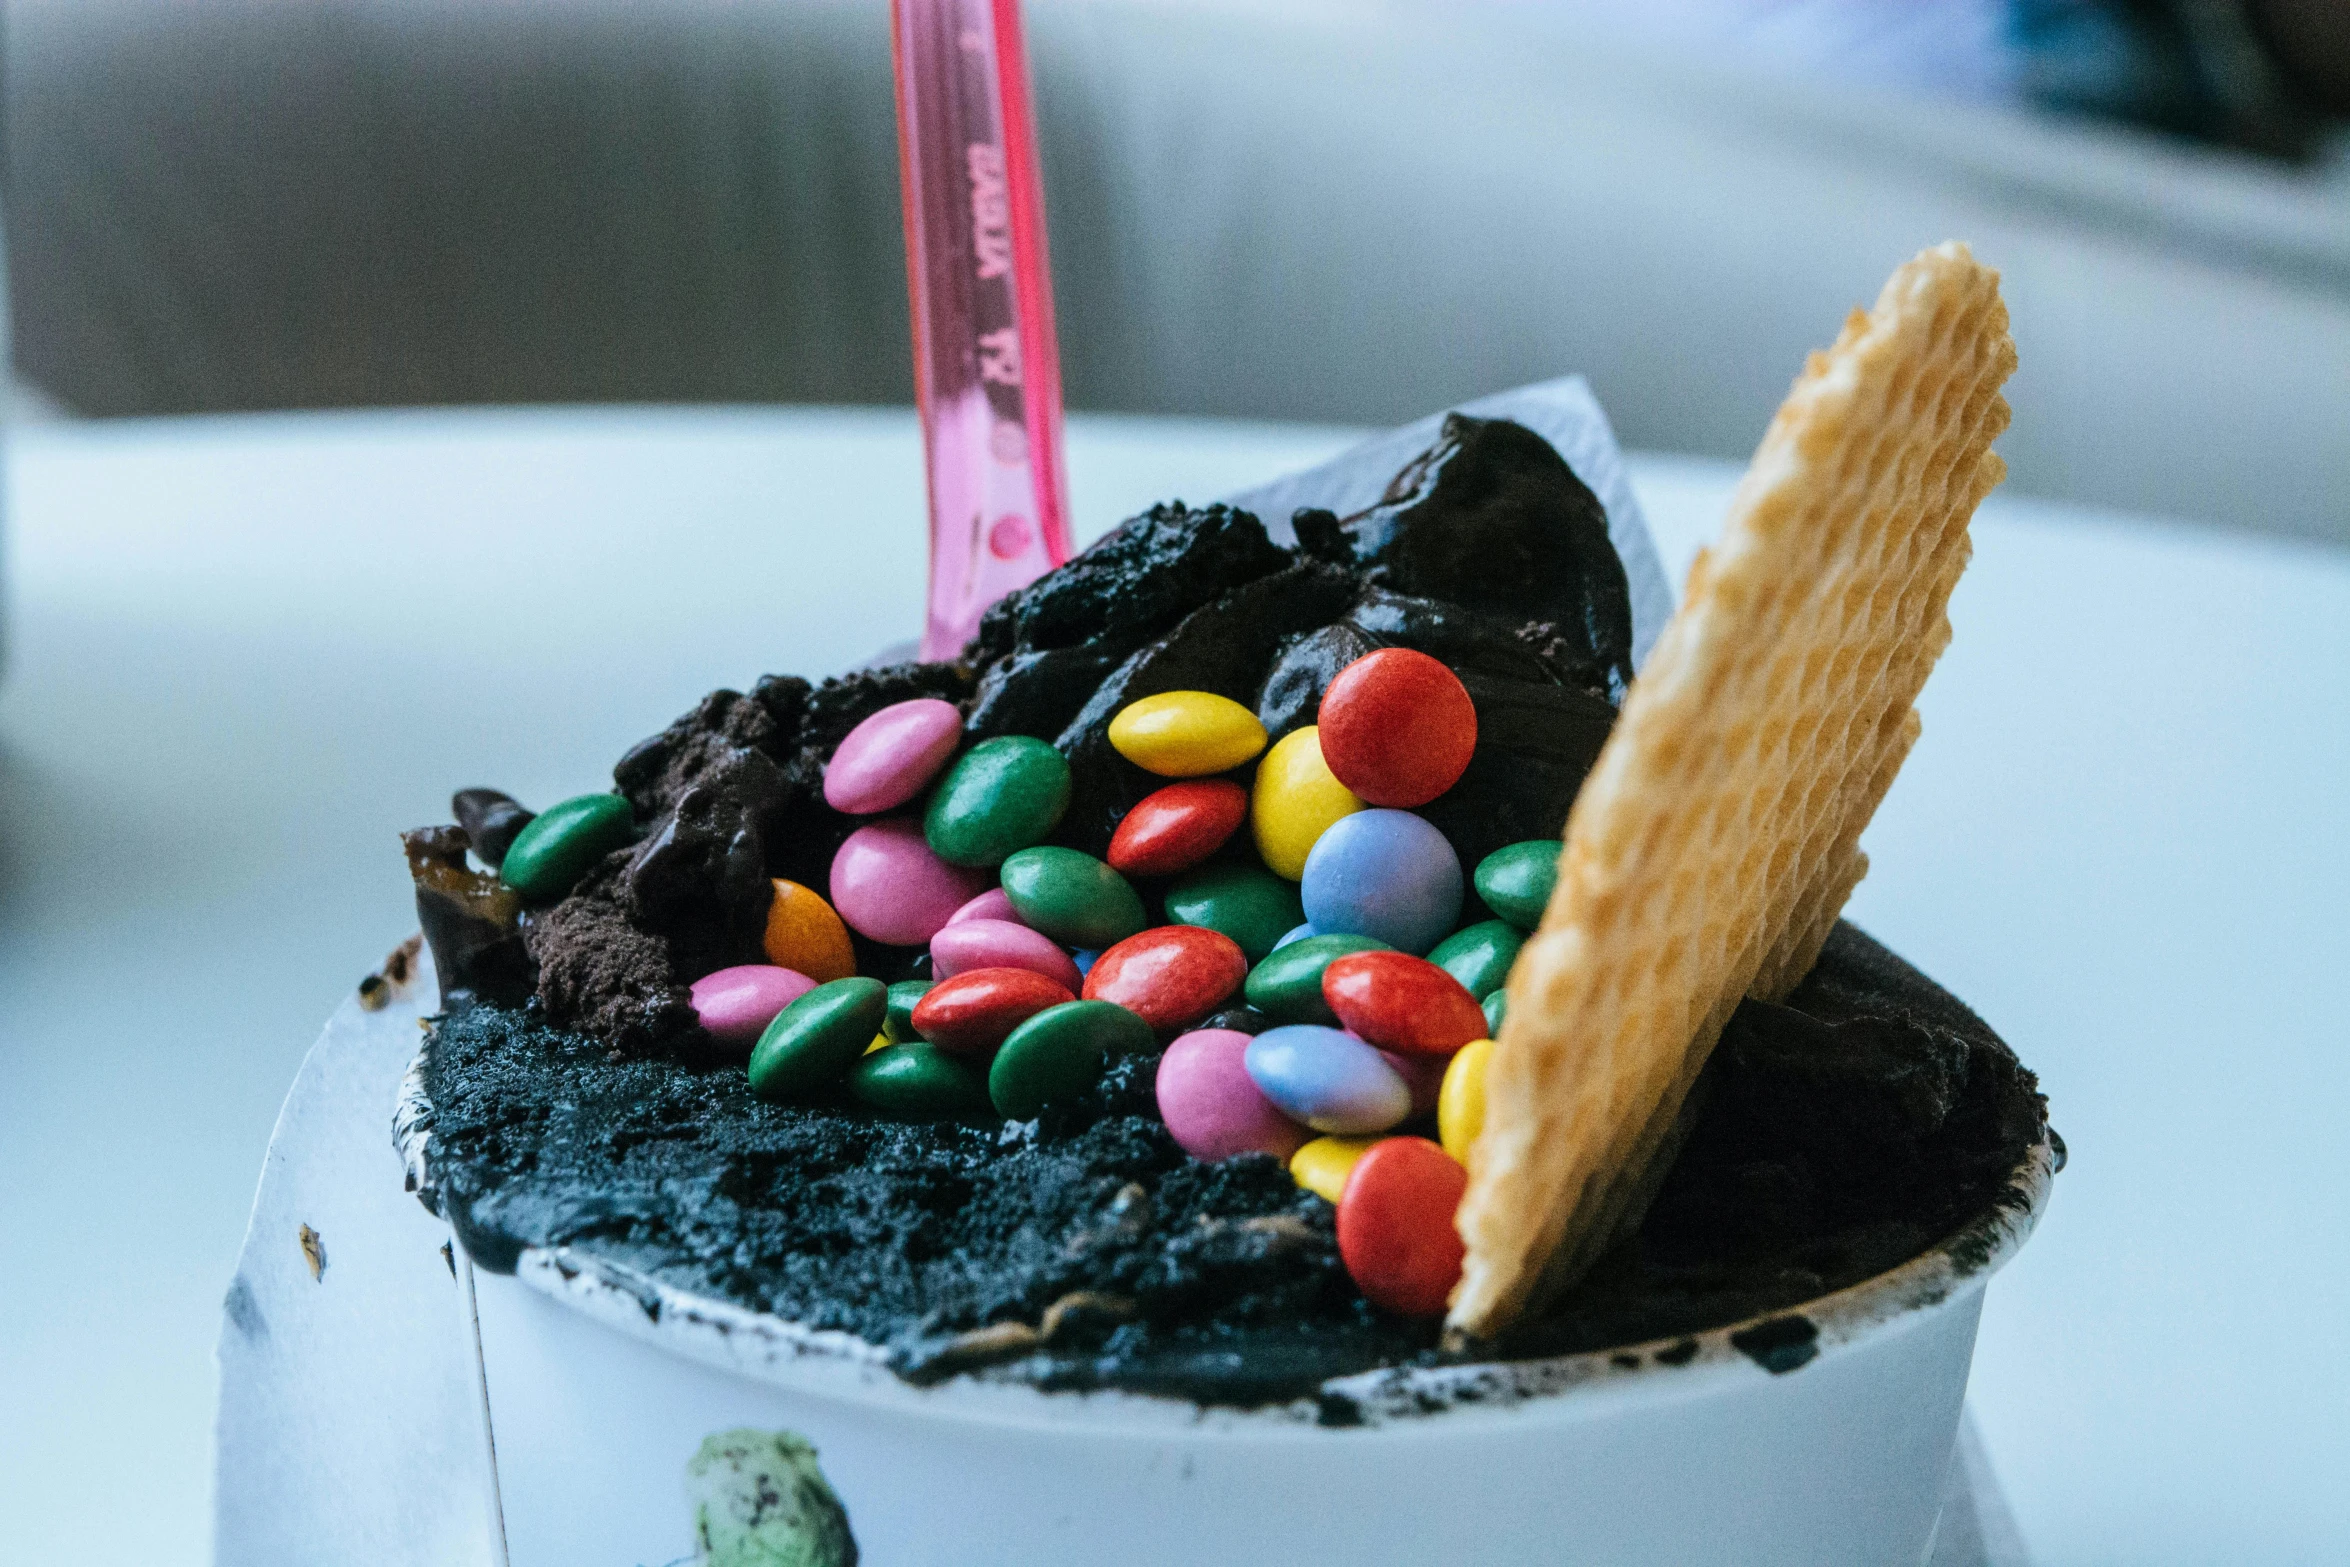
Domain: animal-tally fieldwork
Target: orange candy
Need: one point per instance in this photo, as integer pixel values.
(804, 934)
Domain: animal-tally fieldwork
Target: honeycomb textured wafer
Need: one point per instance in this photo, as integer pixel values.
(1716, 838)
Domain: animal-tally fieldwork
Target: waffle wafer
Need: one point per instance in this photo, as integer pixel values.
(1717, 836)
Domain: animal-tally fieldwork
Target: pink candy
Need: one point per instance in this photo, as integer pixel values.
(993, 904)
(1423, 1075)
(887, 759)
(735, 1005)
(1212, 1107)
(888, 885)
(964, 944)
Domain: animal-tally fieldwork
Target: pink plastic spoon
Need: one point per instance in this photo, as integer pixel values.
(987, 370)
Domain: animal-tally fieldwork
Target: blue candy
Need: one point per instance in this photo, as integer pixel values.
(1328, 1079)
(1385, 874)
(1299, 934)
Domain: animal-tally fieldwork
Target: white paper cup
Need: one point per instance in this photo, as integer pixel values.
(1826, 1438)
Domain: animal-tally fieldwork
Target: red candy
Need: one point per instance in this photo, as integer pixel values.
(1395, 1229)
(1399, 1002)
(1177, 827)
(1397, 727)
(1170, 976)
(973, 1012)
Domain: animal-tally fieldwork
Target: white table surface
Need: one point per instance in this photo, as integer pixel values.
(245, 652)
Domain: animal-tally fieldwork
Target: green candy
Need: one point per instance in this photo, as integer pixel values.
(1515, 880)
(1246, 902)
(904, 997)
(1495, 1006)
(918, 1082)
(1000, 796)
(1287, 986)
(562, 842)
(1072, 897)
(1058, 1054)
(1480, 956)
(816, 1038)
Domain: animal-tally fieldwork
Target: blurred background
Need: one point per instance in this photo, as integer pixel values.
(257, 204)
(254, 627)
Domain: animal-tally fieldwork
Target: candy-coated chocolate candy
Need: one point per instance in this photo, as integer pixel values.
(735, 1005)
(1084, 960)
(815, 1039)
(1383, 873)
(1001, 796)
(1398, 727)
(880, 1041)
(1212, 1107)
(1172, 829)
(1238, 1020)
(1395, 1226)
(1460, 1104)
(562, 841)
(892, 756)
(993, 904)
(1423, 1075)
(1322, 1165)
(1246, 902)
(1515, 880)
(1072, 897)
(1186, 734)
(1170, 976)
(1399, 1002)
(1295, 801)
(904, 997)
(1058, 1054)
(1480, 955)
(1495, 1007)
(1294, 933)
(969, 944)
(971, 1013)
(1287, 985)
(804, 933)
(888, 885)
(919, 1082)
(1330, 1080)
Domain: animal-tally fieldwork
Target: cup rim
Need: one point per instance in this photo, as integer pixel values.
(842, 1366)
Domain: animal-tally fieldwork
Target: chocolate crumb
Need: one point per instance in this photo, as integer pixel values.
(313, 1252)
(491, 820)
(1779, 1345)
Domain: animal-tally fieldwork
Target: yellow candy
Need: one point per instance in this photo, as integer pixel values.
(804, 934)
(1460, 1103)
(881, 1041)
(1186, 734)
(1323, 1165)
(1296, 800)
